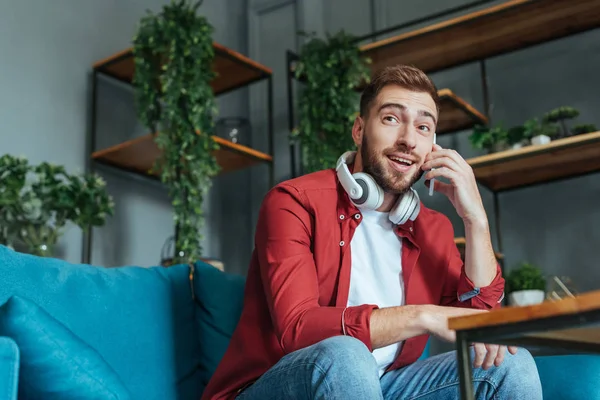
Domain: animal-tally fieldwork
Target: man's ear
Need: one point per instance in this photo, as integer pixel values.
(358, 130)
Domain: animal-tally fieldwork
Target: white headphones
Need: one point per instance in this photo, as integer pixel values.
(365, 193)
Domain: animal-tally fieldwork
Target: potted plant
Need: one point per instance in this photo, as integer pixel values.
(332, 69)
(526, 285)
(583, 128)
(560, 115)
(540, 133)
(174, 54)
(492, 139)
(37, 202)
(516, 138)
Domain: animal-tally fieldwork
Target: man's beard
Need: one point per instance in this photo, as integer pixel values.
(390, 181)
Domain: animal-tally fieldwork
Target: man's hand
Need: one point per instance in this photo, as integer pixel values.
(435, 321)
(462, 190)
(487, 355)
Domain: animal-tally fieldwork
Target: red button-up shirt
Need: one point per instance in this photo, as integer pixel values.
(299, 277)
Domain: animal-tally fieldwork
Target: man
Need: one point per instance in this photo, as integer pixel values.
(340, 300)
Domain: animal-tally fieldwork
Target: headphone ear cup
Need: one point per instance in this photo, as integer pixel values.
(372, 197)
(407, 207)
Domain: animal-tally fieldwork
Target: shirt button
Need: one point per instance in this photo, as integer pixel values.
(342, 216)
(410, 229)
(342, 243)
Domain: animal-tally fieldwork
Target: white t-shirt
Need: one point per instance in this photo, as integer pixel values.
(376, 274)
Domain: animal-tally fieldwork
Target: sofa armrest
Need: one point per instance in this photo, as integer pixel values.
(9, 368)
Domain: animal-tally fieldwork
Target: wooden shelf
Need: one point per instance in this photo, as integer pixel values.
(456, 114)
(233, 69)
(562, 158)
(461, 242)
(496, 30)
(138, 155)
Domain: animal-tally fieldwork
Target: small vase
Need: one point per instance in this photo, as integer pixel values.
(526, 297)
(540, 140)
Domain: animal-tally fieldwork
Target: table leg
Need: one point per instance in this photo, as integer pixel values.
(465, 371)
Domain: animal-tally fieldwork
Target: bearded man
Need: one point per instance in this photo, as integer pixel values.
(351, 273)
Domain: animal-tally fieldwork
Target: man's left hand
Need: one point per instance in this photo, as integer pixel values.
(462, 190)
(487, 355)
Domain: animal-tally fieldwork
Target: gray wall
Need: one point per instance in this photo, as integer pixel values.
(48, 49)
(554, 225)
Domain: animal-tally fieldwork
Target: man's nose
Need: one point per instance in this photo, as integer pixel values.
(407, 137)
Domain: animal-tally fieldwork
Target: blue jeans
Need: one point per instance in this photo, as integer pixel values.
(343, 368)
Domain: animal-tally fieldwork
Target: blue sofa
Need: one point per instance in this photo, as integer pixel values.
(70, 331)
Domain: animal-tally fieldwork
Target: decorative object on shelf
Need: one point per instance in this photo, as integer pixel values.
(540, 133)
(560, 115)
(560, 288)
(492, 139)
(332, 69)
(174, 55)
(526, 285)
(37, 201)
(235, 129)
(583, 129)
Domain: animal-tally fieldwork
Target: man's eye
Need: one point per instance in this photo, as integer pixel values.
(390, 118)
(424, 127)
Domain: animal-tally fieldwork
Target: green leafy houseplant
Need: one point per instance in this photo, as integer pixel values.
(332, 69)
(173, 53)
(534, 127)
(487, 138)
(37, 202)
(525, 277)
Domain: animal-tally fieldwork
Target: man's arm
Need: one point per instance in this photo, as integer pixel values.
(395, 324)
(480, 261)
(477, 282)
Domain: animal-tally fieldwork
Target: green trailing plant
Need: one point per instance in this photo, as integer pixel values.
(37, 202)
(525, 277)
(332, 69)
(174, 54)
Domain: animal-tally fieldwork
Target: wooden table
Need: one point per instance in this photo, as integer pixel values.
(569, 324)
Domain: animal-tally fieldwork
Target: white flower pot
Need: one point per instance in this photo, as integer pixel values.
(526, 297)
(540, 139)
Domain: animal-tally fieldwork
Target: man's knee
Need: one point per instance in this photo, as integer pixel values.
(345, 352)
(520, 370)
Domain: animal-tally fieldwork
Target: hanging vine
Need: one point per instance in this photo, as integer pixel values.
(174, 54)
(332, 69)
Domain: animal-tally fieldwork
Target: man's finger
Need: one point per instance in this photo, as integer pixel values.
(479, 349)
(500, 356)
(513, 349)
(492, 351)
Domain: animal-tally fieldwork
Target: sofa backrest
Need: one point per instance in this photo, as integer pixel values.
(141, 320)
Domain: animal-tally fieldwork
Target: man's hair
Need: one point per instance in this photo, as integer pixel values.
(405, 76)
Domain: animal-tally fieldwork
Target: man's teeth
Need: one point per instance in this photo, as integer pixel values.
(401, 160)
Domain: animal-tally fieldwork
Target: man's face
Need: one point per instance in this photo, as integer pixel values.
(396, 136)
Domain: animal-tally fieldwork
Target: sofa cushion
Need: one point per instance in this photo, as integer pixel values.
(140, 320)
(569, 377)
(219, 297)
(55, 363)
(9, 368)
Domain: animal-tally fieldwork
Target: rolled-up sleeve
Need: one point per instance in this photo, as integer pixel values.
(289, 276)
(459, 290)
